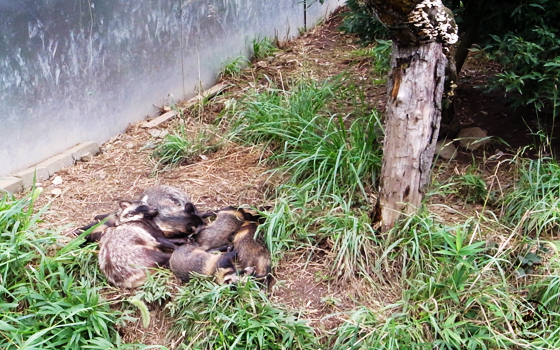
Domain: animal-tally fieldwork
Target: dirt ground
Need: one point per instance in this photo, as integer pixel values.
(235, 175)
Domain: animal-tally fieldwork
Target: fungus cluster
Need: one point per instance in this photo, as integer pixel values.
(434, 22)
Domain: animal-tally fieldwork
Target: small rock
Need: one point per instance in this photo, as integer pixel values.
(472, 138)
(203, 157)
(445, 149)
(130, 145)
(57, 191)
(57, 180)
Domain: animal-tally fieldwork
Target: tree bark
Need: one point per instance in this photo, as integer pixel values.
(466, 42)
(412, 119)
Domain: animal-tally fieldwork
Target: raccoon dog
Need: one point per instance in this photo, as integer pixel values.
(218, 234)
(96, 233)
(252, 255)
(189, 258)
(177, 216)
(136, 244)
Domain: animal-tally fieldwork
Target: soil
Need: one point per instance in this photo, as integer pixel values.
(237, 175)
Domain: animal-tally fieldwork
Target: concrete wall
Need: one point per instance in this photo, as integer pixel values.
(82, 70)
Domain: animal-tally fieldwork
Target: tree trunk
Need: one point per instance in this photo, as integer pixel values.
(466, 42)
(412, 120)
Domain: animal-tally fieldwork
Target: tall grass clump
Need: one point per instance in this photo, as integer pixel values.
(263, 48)
(183, 147)
(233, 67)
(329, 162)
(45, 302)
(534, 202)
(321, 152)
(298, 221)
(207, 317)
(455, 295)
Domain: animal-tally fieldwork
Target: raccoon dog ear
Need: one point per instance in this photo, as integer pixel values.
(189, 208)
(144, 199)
(125, 204)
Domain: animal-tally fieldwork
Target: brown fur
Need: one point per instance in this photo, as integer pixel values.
(128, 250)
(252, 255)
(218, 234)
(177, 216)
(97, 232)
(189, 258)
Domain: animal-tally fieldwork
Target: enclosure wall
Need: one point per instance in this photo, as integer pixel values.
(82, 70)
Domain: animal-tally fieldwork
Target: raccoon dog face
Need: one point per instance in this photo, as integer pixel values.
(135, 211)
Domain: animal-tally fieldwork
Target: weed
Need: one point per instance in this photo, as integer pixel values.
(450, 299)
(46, 302)
(233, 67)
(209, 316)
(322, 154)
(535, 200)
(263, 48)
(360, 21)
(156, 288)
(181, 147)
(471, 187)
(382, 56)
(351, 238)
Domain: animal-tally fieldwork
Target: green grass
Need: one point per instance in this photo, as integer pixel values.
(456, 294)
(263, 48)
(156, 289)
(207, 317)
(380, 54)
(534, 202)
(329, 162)
(299, 222)
(183, 147)
(233, 67)
(322, 153)
(50, 298)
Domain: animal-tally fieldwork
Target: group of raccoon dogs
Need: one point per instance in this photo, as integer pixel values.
(162, 228)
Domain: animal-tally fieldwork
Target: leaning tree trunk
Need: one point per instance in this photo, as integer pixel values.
(412, 120)
(419, 29)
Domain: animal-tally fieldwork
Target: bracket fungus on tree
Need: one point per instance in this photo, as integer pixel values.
(413, 22)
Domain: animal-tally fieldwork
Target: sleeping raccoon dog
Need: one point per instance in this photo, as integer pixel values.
(177, 216)
(252, 255)
(190, 258)
(218, 234)
(134, 245)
